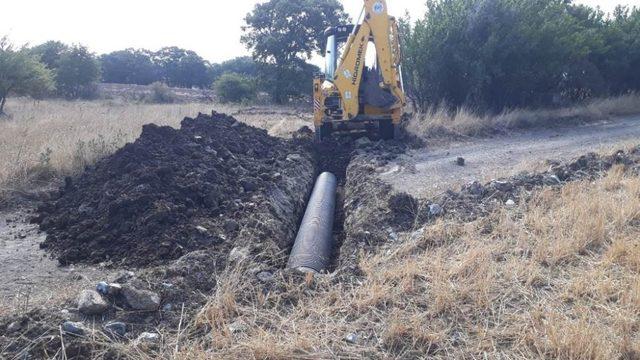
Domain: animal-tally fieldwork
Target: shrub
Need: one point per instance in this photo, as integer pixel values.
(160, 94)
(232, 87)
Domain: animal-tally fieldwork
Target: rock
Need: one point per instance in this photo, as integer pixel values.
(474, 188)
(74, 328)
(249, 184)
(147, 338)
(435, 210)
(417, 234)
(237, 327)
(510, 203)
(351, 338)
(202, 230)
(107, 289)
(115, 328)
(143, 300)
(363, 142)
(265, 276)
(91, 303)
(231, 226)
(294, 157)
(14, 327)
(238, 254)
(460, 161)
(551, 180)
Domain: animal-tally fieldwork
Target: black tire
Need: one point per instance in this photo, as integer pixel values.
(386, 130)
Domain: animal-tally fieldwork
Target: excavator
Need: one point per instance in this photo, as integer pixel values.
(361, 89)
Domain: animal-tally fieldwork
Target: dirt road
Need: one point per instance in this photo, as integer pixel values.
(427, 172)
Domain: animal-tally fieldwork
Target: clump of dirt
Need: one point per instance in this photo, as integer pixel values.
(172, 192)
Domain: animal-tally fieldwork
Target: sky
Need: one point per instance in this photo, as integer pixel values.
(209, 27)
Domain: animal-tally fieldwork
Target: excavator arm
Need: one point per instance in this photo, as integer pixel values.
(382, 30)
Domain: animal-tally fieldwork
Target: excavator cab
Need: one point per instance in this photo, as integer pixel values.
(361, 89)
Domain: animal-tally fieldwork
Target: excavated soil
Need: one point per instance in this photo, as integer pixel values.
(172, 192)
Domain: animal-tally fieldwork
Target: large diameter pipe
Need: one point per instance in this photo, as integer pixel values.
(314, 244)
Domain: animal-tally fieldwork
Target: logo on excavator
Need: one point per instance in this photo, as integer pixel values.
(378, 8)
(356, 68)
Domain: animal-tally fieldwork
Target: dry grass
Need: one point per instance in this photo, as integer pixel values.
(439, 121)
(48, 138)
(557, 277)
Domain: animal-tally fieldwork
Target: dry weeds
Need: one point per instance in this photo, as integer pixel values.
(44, 139)
(439, 121)
(553, 278)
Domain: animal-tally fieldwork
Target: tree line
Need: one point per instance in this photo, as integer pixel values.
(485, 54)
(497, 54)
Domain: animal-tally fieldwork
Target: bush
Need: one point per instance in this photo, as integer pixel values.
(160, 94)
(232, 87)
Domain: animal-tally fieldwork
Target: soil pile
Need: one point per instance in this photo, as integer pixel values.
(476, 199)
(172, 192)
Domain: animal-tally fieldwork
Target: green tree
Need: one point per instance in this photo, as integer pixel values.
(493, 54)
(243, 65)
(182, 68)
(130, 66)
(77, 73)
(49, 53)
(232, 87)
(21, 74)
(283, 34)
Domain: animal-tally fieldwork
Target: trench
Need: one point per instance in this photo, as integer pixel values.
(333, 157)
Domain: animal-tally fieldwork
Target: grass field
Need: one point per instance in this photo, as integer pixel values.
(43, 139)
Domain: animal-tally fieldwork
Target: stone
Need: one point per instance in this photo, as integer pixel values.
(202, 230)
(143, 300)
(237, 327)
(435, 210)
(417, 234)
(107, 289)
(510, 203)
(475, 188)
(249, 184)
(265, 276)
(14, 327)
(238, 254)
(294, 157)
(351, 338)
(115, 328)
(74, 328)
(147, 338)
(231, 226)
(92, 303)
(460, 161)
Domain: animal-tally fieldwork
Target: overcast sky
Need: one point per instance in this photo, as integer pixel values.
(210, 27)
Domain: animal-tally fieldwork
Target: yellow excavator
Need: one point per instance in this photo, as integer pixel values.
(361, 88)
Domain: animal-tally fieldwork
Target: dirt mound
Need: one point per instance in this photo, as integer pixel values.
(172, 192)
(476, 199)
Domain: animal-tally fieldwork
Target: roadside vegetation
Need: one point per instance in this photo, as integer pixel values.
(443, 122)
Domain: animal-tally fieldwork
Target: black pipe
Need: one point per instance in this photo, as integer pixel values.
(314, 243)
